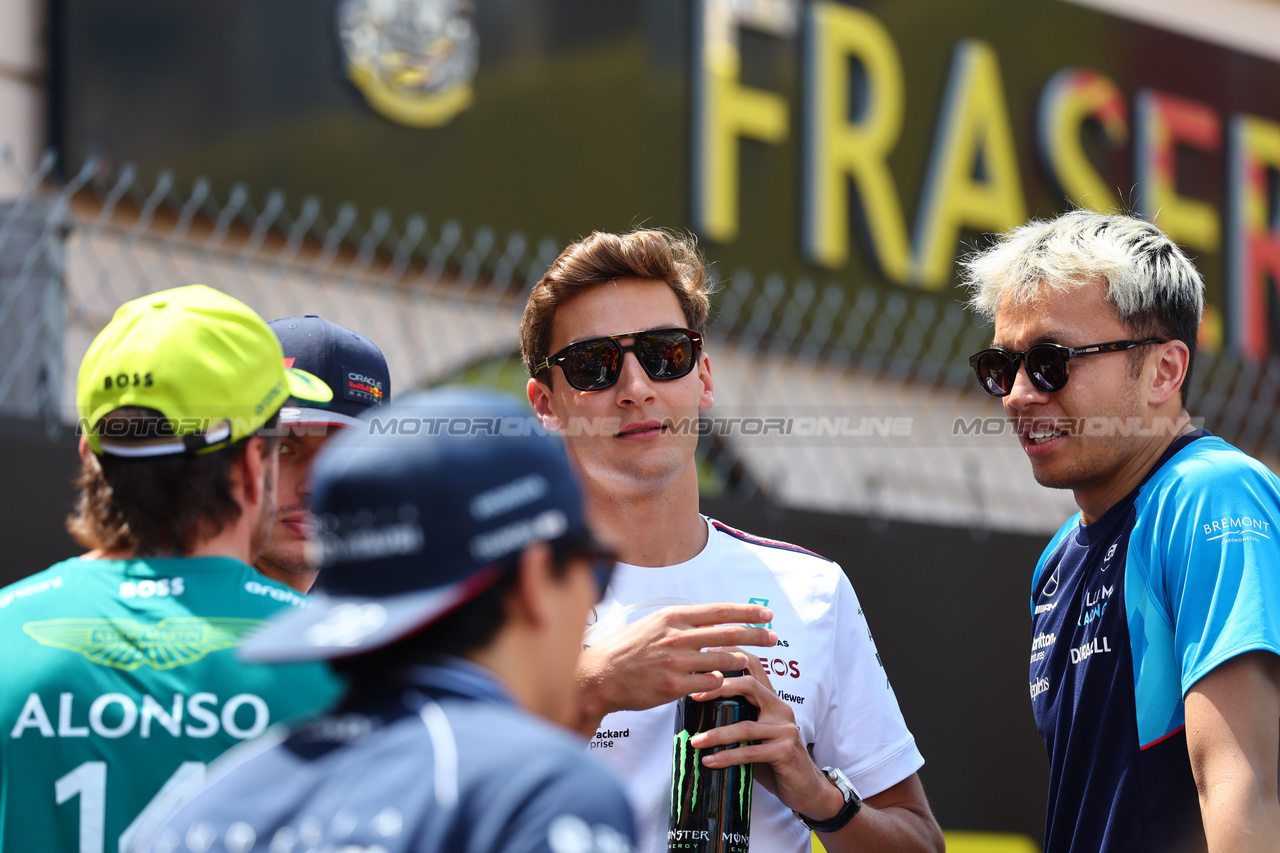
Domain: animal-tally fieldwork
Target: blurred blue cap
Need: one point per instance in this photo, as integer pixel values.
(420, 508)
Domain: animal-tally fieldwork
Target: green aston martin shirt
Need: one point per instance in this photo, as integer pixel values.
(119, 682)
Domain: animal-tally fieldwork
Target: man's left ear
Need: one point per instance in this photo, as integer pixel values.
(540, 402)
(1170, 372)
(706, 397)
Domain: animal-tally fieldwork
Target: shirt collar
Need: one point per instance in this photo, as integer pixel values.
(458, 675)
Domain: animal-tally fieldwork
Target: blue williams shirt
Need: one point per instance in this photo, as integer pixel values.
(1128, 613)
(442, 763)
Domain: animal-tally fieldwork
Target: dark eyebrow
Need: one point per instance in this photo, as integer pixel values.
(625, 334)
(1051, 337)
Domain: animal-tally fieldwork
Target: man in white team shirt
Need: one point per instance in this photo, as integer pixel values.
(611, 338)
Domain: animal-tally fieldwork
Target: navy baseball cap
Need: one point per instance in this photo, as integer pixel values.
(346, 361)
(419, 509)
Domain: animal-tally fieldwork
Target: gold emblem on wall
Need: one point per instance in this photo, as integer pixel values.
(413, 60)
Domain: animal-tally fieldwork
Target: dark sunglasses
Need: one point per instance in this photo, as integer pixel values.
(595, 364)
(600, 559)
(1047, 364)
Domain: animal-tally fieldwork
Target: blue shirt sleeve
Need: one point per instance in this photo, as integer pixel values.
(1214, 562)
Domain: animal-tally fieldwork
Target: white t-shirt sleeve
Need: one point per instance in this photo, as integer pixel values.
(861, 729)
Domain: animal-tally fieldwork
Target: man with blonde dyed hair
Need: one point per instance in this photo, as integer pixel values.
(1155, 654)
(612, 337)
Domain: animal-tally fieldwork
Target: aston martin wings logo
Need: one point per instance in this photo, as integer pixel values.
(127, 645)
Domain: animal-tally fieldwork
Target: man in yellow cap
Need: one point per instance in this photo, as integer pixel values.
(121, 679)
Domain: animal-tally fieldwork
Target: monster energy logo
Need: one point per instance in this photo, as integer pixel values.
(679, 768)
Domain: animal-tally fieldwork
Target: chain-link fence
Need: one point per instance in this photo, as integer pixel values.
(830, 396)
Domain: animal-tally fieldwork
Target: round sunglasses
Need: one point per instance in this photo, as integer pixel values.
(1048, 365)
(595, 364)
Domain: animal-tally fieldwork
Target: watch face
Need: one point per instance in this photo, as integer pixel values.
(841, 781)
(852, 804)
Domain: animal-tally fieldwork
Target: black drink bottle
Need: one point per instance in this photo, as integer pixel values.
(710, 809)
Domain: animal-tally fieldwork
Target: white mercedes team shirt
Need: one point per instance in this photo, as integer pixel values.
(825, 666)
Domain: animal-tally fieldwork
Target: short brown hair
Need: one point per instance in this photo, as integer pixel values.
(158, 505)
(644, 253)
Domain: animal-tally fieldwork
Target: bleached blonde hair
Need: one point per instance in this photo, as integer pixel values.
(1155, 288)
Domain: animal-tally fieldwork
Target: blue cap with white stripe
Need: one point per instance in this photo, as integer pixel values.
(421, 507)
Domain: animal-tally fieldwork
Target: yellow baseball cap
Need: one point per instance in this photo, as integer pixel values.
(204, 360)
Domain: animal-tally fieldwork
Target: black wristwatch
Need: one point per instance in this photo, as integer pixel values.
(852, 803)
